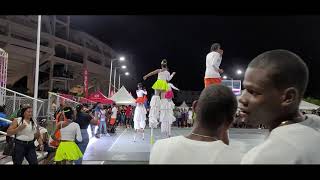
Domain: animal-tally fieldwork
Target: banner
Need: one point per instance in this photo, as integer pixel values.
(85, 81)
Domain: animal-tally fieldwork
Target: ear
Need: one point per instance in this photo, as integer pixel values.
(290, 95)
(194, 105)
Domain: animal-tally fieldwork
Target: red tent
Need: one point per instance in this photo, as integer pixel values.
(99, 97)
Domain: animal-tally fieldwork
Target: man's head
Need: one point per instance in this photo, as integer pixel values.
(215, 47)
(274, 83)
(216, 107)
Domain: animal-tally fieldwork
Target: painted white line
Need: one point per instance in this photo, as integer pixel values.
(117, 140)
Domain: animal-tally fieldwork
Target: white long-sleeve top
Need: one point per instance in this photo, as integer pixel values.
(171, 86)
(71, 132)
(213, 61)
(141, 93)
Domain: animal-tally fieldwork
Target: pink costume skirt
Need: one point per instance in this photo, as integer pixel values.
(169, 95)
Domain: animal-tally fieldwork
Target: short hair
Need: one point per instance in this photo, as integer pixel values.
(215, 46)
(217, 104)
(285, 69)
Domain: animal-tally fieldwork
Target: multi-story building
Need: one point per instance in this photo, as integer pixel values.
(64, 52)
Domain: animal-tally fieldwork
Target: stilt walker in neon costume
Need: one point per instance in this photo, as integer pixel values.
(140, 112)
(160, 87)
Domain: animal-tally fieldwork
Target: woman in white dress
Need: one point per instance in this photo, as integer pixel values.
(140, 112)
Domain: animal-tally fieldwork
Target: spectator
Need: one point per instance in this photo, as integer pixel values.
(129, 116)
(190, 121)
(25, 130)
(3, 124)
(68, 151)
(275, 82)
(84, 119)
(45, 141)
(114, 114)
(206, 144)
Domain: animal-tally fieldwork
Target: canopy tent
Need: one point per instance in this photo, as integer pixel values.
(99, 97)
(183, 106)
(123, 97)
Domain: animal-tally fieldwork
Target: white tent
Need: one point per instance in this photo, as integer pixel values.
(183, 106)
(123, 97)
(304, 105)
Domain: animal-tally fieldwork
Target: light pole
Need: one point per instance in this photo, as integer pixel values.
(126, 73)
(115, 73)
(36, 76)
(110, 76)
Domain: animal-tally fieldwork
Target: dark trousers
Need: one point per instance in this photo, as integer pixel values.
(83, 144)
(24, 150)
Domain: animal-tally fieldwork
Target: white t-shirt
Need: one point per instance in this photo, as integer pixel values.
(114, 112)
(291, 144)
(164, 75)
(181, 150)
(190, 114)
(213, 59)
(27, 134)
(102, 115)
(42, 131)
(71, 132)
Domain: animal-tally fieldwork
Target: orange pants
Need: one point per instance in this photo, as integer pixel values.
(209, 81)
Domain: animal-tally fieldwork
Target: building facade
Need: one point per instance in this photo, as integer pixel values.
(64, 52)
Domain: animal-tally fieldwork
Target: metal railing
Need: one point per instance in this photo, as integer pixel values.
(14, 99)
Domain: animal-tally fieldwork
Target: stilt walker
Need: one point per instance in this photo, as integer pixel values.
(140, 112)
(160, 87)
(166, 116)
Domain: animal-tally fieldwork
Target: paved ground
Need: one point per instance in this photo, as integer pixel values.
(120, 148)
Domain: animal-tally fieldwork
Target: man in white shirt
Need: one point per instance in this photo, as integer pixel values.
(114, 114)
(275, 82)
(213, 61)
(208, 142)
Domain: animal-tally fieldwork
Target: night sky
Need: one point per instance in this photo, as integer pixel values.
(185, 40)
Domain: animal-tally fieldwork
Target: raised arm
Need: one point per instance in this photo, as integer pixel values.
(171, 76)
(151, 74)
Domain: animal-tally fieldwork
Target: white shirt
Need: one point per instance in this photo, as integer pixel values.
(71, 132)
(164, 75)
(297, 143)
(42, 131)
(102, 115)
(114, 112)
(190, 114)
(141, 93)
(181, 150)
(27, 134)
(213, 60)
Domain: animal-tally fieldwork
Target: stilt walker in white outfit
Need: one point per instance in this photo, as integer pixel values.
(140, 112)
(160, 87)
(166, 110)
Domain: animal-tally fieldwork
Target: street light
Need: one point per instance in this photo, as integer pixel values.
(126, 73)
(225, 77)
(115, 74)
(239, 72)
(122, 58)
